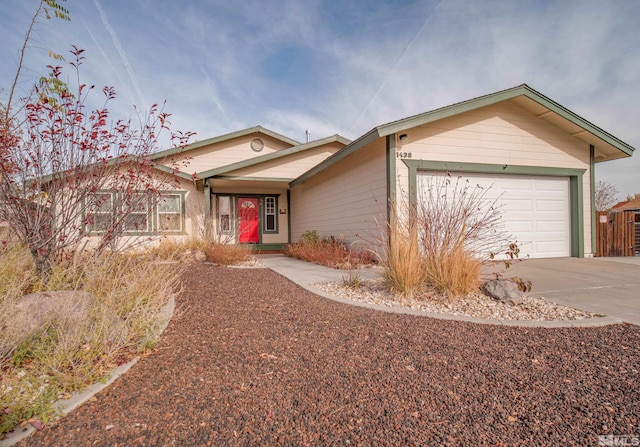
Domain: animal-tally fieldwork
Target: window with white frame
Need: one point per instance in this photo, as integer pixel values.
(99, 208)
(134, 212)
(170, 213)
(137, 209)
(270, 214)
(224, 213)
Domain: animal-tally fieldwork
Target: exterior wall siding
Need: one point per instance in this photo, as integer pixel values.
(290, 166)
(345, 199)
(227, 152)
(503, 133)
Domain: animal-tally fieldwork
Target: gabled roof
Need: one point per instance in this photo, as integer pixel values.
(225, 137)
(272, 156)
(607, 146)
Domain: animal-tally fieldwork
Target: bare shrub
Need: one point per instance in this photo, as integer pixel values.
(460, 226)
(331, 252)
(226, 254)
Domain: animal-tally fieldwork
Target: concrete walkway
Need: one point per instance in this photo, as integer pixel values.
(305, 274)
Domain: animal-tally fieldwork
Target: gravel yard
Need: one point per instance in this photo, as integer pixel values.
(252, 359)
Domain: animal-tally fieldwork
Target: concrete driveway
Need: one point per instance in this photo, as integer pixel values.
(609, 286)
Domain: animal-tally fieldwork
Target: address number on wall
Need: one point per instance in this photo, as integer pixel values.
(403, 154)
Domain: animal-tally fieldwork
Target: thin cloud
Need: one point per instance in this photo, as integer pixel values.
(120, 50)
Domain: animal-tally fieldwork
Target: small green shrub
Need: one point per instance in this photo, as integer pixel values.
(352, 279)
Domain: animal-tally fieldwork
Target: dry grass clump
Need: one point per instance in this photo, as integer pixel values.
(17, 275)
(64, 353)
(217, 252)
(330, 252)
(454, 273)
(403, 268)
(226, 254)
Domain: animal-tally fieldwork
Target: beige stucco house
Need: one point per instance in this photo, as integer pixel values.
(261, 188)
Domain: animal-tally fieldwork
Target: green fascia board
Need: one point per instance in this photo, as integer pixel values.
(349, 149)
(272, 156)
(225, 137)
(493, 98)
(168, 170)
(255, 179)
(575, 176)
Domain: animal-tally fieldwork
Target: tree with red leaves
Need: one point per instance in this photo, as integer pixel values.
(62, 164)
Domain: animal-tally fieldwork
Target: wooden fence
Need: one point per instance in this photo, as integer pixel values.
(616, 233)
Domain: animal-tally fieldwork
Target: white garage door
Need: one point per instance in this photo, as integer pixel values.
(535, 209)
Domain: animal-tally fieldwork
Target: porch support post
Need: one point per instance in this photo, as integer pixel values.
(208, 222)
(288, 215)
(592, 174)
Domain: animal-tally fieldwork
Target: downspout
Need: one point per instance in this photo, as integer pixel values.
(288, 216)
(391, 173)
(592, 175)
(207, 221)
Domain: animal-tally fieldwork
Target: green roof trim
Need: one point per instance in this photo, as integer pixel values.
(272, 156)
(461, 107)
(168, 170)
(342, 153)
(225, 137)
(254, 179)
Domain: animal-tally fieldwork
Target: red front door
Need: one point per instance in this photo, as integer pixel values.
(248, 220)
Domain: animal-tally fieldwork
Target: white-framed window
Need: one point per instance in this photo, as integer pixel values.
(169, 212)
(224, 213)
(137, 207)
(270, 214)
(99, 208)
(135, 211)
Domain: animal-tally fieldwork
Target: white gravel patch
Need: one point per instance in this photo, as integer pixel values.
(476, 305)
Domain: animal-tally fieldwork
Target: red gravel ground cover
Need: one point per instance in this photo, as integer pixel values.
(254, 360)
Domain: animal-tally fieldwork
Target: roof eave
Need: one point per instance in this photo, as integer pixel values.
(349, 149)
(272, 156)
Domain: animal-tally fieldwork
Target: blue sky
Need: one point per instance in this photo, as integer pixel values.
(345, 66)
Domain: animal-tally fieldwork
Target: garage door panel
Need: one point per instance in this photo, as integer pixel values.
(516, 205)
(535, 210)
(550, 226)
(551, 205)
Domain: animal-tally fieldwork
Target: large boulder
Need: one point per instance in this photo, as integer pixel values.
(503, 290)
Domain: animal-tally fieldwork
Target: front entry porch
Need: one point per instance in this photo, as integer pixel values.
(255, 213)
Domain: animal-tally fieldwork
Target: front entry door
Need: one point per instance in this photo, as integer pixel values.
(248, 220)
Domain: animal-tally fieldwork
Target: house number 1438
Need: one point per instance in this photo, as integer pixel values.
(403, 154)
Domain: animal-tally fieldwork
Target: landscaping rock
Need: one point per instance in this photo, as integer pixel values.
(503, 290)
(257, 361)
